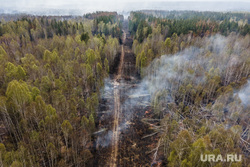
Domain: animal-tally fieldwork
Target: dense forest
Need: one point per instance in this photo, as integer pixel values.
(195, 67)
(52, 71)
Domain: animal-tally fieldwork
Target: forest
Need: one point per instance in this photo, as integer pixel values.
(177, 82)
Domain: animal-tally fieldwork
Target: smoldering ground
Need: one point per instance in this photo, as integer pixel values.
(212, 57)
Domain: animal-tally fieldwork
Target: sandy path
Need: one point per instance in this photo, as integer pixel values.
(117, 109)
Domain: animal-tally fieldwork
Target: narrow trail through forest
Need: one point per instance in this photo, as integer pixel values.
(117, 108)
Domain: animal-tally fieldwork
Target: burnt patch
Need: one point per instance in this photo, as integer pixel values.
(114, 67)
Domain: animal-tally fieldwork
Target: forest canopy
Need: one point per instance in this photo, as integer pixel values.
(194, 66)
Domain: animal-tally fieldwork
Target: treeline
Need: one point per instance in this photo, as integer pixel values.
(194, 87)
(197, 25)
(51, 75)
(206, 15)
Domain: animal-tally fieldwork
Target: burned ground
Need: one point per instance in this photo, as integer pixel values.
(133, 148)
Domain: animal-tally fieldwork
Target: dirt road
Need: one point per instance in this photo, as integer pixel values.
(119, 142)
(117, 108)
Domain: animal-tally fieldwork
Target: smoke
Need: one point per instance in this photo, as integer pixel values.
(244, 94)
(189, 66)
(105, 139)
(167, 75)
(195, 66)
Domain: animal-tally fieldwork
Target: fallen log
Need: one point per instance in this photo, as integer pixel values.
(104, 112)
(149, 135)
(100, 131)
(138, 96)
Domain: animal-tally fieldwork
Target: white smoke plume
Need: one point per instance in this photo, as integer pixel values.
(213, 56)
(244, 94)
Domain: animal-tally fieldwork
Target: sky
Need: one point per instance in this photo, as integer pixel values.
(122, 5)
(65, 2)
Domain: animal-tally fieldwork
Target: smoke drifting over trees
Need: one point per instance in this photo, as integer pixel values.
(195, 76)
(203, 87)
(160, 88)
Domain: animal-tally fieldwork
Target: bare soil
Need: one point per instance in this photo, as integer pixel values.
(120, 126)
